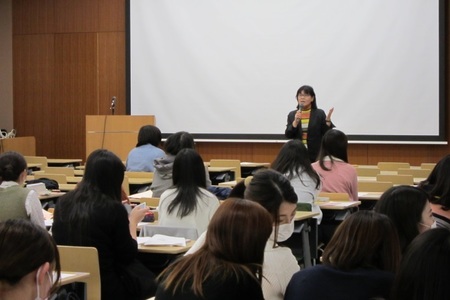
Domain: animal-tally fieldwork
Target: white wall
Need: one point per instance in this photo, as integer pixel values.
(6, 79)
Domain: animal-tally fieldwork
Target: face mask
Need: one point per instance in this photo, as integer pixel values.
(285, 231)
(434, 225)
(38, 287)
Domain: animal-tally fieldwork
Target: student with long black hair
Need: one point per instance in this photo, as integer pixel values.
(93, 215)
(294, 163)
(188, 203)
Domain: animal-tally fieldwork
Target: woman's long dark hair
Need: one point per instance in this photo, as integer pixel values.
(293, 160)
(232, 248)
(438, 183)
(404, 205)
(334, 144)
(101, 187)
(188, 177)
(366, 239)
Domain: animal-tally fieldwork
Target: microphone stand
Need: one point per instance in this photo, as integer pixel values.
(113, 105)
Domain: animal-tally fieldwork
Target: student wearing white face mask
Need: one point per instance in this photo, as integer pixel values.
(274, 192)
(28, 259)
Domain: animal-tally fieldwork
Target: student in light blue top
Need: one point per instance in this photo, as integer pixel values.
(140, 159)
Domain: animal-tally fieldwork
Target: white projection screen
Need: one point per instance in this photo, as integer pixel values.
(230, 69)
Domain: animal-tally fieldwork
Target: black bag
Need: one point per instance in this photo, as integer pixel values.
(50, 184)
(139, 281)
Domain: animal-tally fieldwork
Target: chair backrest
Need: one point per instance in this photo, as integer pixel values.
(83, 259)
(396, 179)
(416, 173)
(150, 230)
(335, 196)
(37, 160)
(393, 166)
(60, 178)
(59, 170)
(231, 163)
(367, 171)
(374, 186)
(428, 166)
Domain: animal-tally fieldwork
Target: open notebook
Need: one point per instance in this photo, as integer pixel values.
(161, 240)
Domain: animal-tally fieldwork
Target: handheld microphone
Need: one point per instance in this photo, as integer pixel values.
(300, 107)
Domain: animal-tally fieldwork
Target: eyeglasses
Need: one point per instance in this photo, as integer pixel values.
(303, 96)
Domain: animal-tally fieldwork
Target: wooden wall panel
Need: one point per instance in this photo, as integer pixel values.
(76, 93)
(111, 72)
(32, 16)
(76, 16)
(33, 81)
(111, 15)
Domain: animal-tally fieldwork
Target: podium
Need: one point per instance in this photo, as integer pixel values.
(25, 145)
(116, 133)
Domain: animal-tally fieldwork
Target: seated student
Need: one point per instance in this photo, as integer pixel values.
(229, 263)
(29, 261)
(293, 162)
(15, 200)
(408, 207)
(425, 268)
(162, 177)
(140, 159)
(337, 175)
(188, 203)
(359, 262)
(274, 192)
(438, 187)
(93, 215)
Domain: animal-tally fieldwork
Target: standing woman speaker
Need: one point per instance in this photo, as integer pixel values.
(308, 123)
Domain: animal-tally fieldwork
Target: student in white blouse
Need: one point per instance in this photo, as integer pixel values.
(188, 203)
(17, 202)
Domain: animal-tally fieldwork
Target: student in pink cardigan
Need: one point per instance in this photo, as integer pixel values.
(337, 175)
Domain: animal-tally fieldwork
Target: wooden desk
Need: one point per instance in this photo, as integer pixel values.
(230, 184)
(71, 277)
(34, 166)
(166, 249)
(416, 180)
(73, 179)
(214, 172)
(67, 187)
(337, 205)
(79, 172)
(139, 180)
(58, 162)
(304, 215)
(52, 195)
(369, 195)
(249, 168)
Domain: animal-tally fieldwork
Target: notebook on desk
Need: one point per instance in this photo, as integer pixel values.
(39, 188)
